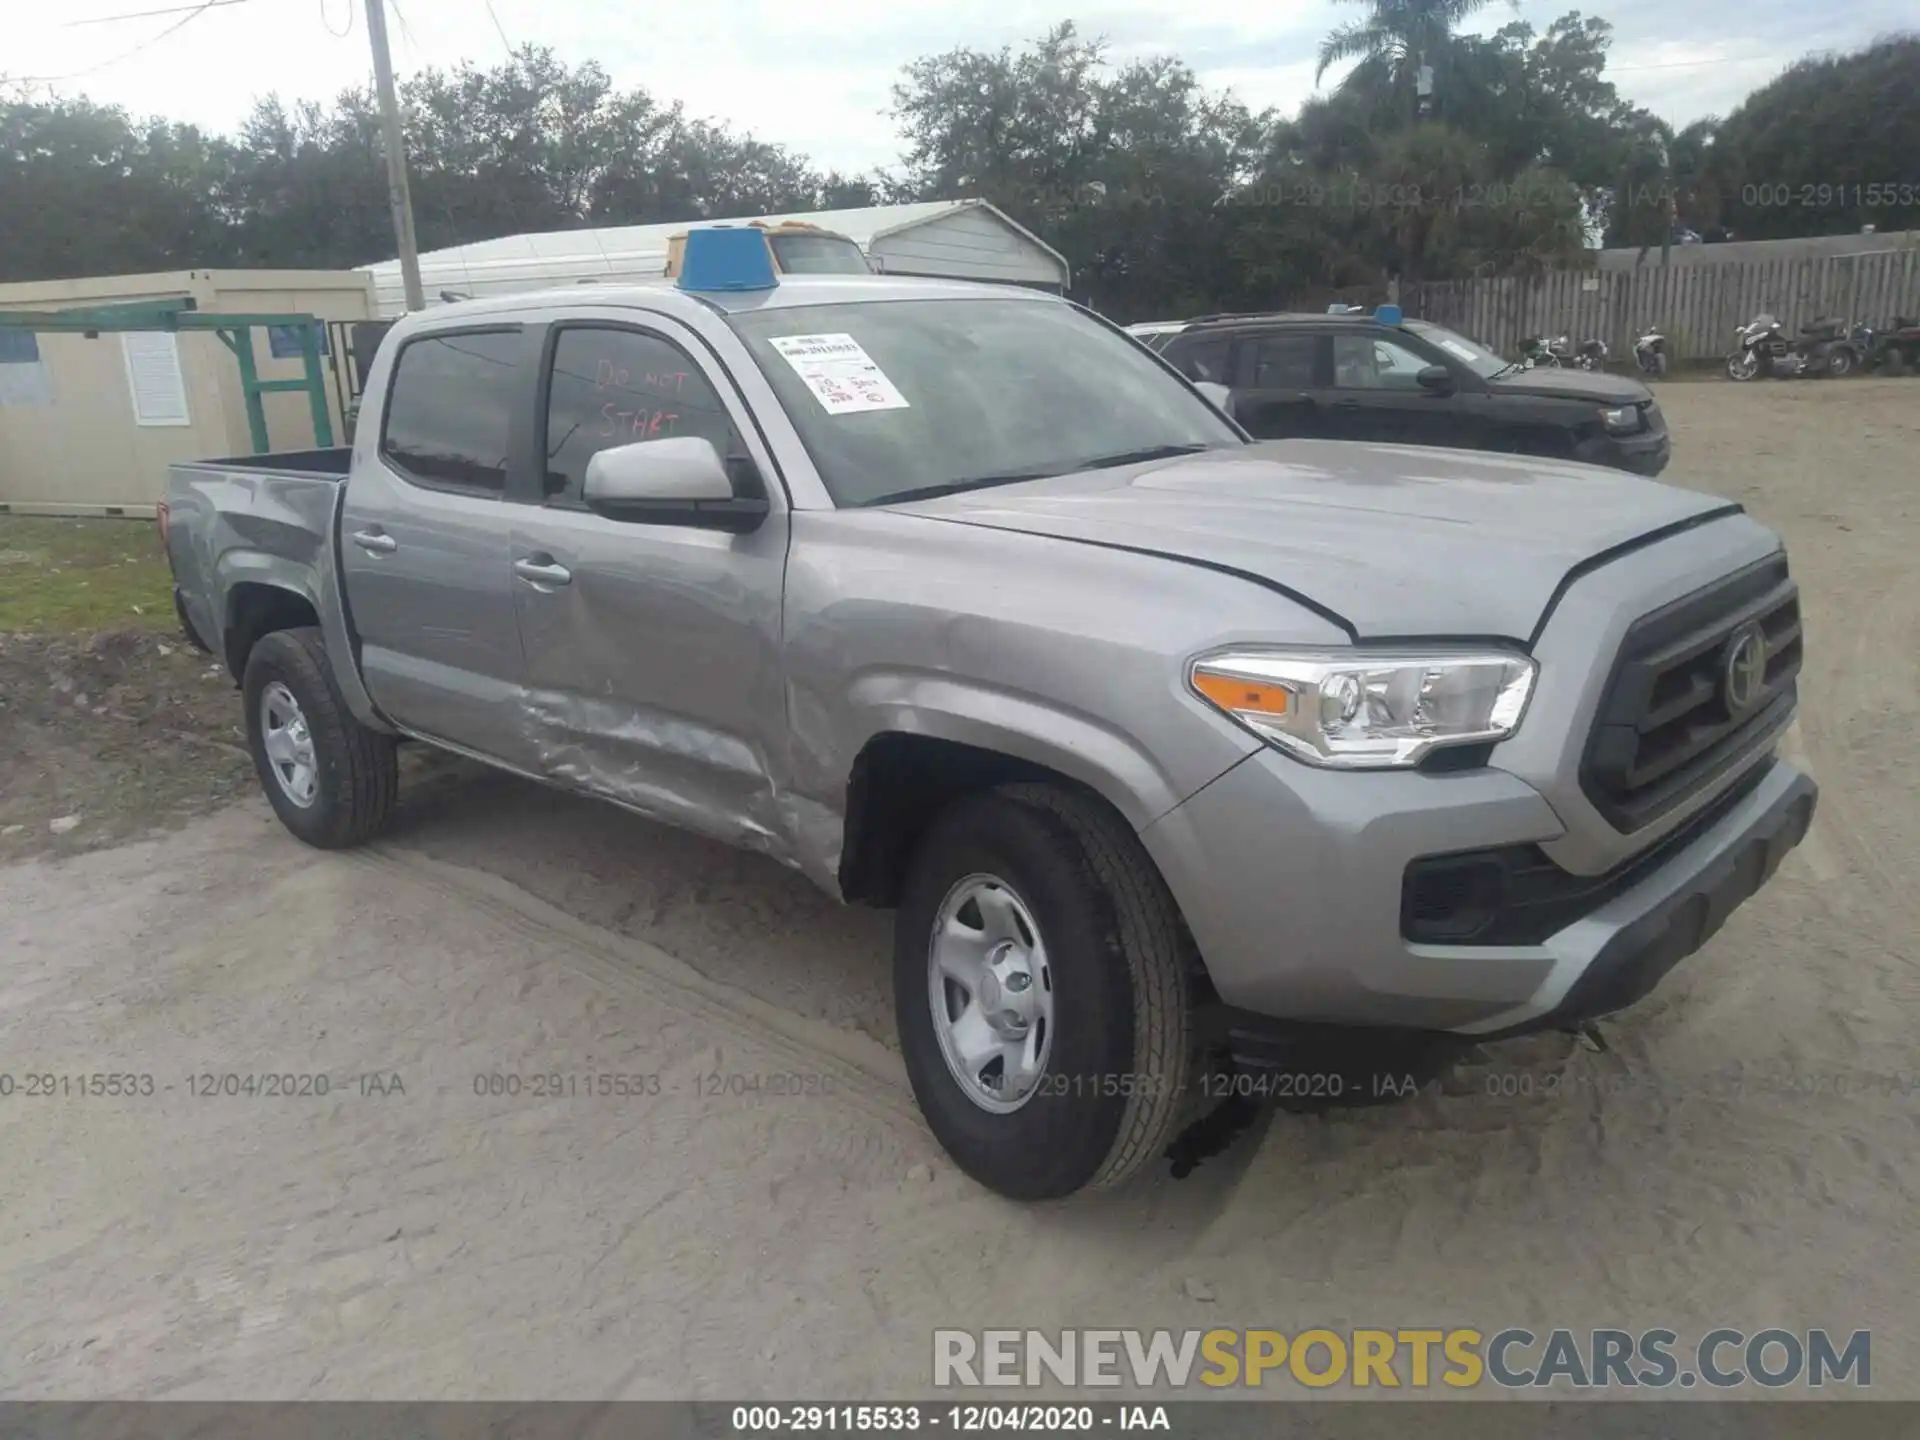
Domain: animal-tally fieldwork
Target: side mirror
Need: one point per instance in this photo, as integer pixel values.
(1217, 395)
(1436, 378)
(678, 481)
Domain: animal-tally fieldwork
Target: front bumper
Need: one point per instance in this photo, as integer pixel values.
(1290, 880)
(1644, 454)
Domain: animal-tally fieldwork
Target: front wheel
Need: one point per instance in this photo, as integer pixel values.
(1840, 363)
(1042, 983)
(1743, 365)
(331, 780)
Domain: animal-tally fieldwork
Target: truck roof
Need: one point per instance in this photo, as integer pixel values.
(666, 297)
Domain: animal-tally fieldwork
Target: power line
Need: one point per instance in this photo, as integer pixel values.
(406, 30)
(498, 28)
(148, 14)
(193, 14)
(327, 25)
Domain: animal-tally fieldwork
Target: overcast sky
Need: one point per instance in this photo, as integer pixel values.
(815, 76)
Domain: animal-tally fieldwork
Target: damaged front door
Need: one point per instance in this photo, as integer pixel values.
(652, 648)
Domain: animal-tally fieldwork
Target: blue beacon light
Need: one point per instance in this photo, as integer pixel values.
(1387, 314)
(722, 257)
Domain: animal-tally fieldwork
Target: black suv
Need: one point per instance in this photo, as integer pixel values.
(1381, 377)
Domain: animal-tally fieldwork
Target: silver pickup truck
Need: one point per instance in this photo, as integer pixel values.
(1178, 756)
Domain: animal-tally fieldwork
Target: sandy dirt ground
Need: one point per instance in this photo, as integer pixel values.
(1743, 1154)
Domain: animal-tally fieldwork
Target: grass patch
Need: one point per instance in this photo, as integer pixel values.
(67, 577)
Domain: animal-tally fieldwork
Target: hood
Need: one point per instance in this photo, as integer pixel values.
(1392, 541)
(1594, 385)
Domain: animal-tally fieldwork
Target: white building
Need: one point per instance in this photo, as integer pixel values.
(950, 239)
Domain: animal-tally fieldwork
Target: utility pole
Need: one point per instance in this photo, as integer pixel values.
(397, 195)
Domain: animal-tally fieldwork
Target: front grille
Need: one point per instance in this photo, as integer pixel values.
(1665, 728)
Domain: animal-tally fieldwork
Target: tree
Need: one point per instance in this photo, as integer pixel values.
(1126, 172)
(530, 144)
(1395, 40)
(1166, 197)
(1826, 148)
(84, 189)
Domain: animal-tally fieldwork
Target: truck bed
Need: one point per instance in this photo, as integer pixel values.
(248, 525)
(329, 464)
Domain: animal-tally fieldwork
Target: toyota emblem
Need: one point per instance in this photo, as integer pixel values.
(1745, 670)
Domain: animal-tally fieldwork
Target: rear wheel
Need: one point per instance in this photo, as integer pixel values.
(1840, 362)
(331, 780)
(1042, 982)
(1743, 365)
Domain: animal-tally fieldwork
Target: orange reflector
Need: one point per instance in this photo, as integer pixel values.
(1232, 692)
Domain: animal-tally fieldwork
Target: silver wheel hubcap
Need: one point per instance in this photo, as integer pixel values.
(992, 993)
(289, 745)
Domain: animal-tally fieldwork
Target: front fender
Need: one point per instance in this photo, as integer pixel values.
(1082, 747)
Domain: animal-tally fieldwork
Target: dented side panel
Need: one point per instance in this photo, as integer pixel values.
(653, 675)
(1069, 656)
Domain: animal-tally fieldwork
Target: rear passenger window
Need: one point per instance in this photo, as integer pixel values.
(621, 387)
(1284, 362)
(1205, 359)
(449, 407)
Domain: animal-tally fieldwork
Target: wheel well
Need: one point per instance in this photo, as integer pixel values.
(899, 783)
(254, 610)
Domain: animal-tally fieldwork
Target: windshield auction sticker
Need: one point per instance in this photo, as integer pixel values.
(841, 375)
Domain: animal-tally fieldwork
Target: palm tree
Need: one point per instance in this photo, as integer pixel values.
(1395, 39)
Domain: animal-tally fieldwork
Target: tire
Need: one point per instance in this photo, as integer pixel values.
(1117, 979)
(1840, 363)
(352, 775)
(1743, 365)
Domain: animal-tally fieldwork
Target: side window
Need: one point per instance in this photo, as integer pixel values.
(1368, 362)
(449, 407)
(621, 387)
(1284, 362)
(1205, 359)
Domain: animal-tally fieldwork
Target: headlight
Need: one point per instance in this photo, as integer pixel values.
(1355, 710)
(1623, 420)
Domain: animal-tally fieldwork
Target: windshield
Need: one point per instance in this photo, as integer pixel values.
(898, 398)
(818, 255)
(1477, 357)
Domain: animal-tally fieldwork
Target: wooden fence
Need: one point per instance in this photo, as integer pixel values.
(1695, 306)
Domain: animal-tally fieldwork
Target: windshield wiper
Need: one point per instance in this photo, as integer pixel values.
(1014, 477)
(1506, 370)
(955, 487)
(1138, 457)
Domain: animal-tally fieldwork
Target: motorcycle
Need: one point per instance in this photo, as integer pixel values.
(1757, 347)
(1561, 351)
(1895, 349)
(1537, 352)
(1590, 354)
(1833, 347)
(1650, 353)
(1825, 347)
